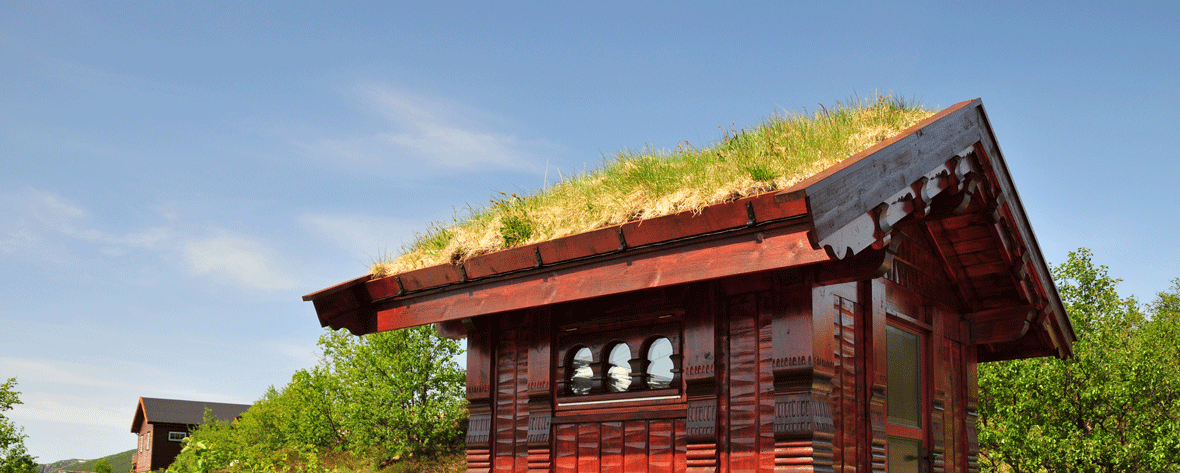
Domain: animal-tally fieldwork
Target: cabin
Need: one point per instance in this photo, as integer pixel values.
(160, 425)
(835, 325)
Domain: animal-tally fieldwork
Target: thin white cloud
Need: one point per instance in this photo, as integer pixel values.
(239, 259)
(52, 231)
(32, 218)
(117, 378)
(71, 409)
(303, 354)
(445, 133)
(366, 236)
(428, 132)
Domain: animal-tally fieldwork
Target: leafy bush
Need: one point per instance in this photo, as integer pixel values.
(13, 456)
(381, 397)
(1112, 408)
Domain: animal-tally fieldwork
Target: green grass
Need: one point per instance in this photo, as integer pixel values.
(633, 185)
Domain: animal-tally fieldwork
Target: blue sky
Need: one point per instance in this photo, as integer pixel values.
(174, 176)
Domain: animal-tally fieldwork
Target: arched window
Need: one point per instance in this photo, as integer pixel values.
(581, 375)
(618, 375)
(659, 364)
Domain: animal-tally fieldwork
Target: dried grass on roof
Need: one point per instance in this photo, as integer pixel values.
(777, 154)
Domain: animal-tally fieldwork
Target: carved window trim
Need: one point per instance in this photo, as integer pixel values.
(638, 333)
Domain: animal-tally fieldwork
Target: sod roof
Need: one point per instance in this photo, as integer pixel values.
(780, 152)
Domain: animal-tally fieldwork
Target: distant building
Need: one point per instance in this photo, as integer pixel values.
(162, 423)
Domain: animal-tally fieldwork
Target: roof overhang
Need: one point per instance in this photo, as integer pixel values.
(944, 178)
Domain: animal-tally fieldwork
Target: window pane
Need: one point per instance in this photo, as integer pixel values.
(904, 388)
(581, 375)
(659, 371)
(904, 455)
(619, 373)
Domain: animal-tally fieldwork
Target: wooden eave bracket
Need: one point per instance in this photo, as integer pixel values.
(856, 204)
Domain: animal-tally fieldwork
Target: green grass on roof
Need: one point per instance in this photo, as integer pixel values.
(782, 151)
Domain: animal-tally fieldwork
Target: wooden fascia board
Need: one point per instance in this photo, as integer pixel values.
(853, 187)
(1004, 178)
(140, 417)
(842, 199)
(759, 249)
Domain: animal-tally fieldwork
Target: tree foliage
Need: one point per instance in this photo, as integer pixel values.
(13, 456)
(102, 466)
(382, 397)
(1114, 407)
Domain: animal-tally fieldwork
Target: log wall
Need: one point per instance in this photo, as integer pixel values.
(780, 372)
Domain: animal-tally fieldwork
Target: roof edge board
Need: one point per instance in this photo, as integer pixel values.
(1016, 206)
(877, 173)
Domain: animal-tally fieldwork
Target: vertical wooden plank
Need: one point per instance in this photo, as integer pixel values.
(540, 393)
(661, 445)
(589, 441)
(680, 455)
(850, 402)
(803, 368)
(700, 379)
(612, 446)
(877, 375)
(520, 440)
(765, 385)
(506, 389)
(565, 446)
(742, 383)
(971, 415)
(635, 446)
(723, 390)
(954, 412)
(480, 364)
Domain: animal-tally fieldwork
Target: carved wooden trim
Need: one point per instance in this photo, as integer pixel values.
(875, 227)
(478, 441)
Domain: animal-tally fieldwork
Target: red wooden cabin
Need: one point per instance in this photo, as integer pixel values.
(835, 325)
(160, 425)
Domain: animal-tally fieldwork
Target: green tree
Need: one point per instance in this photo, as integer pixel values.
(401, 391)
(102, 466)
(13, 456)
(1111, 408)
(381, 397)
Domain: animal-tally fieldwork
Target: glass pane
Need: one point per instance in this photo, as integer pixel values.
(904, 366)
(619, 373)
(904, 456)
(581, 375)
(659, 371)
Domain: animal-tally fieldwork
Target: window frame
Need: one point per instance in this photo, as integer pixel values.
(922, 432)
(638, 332)
(182, 435)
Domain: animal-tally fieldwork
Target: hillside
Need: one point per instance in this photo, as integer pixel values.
(120, 463)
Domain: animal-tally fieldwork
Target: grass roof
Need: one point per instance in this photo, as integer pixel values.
(776, 154)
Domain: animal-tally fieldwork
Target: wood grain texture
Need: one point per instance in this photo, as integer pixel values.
(860, 183)
(740, 253)
(503, 261)
(433, 276)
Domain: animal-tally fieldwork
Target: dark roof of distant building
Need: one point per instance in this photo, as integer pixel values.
(176, 411)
